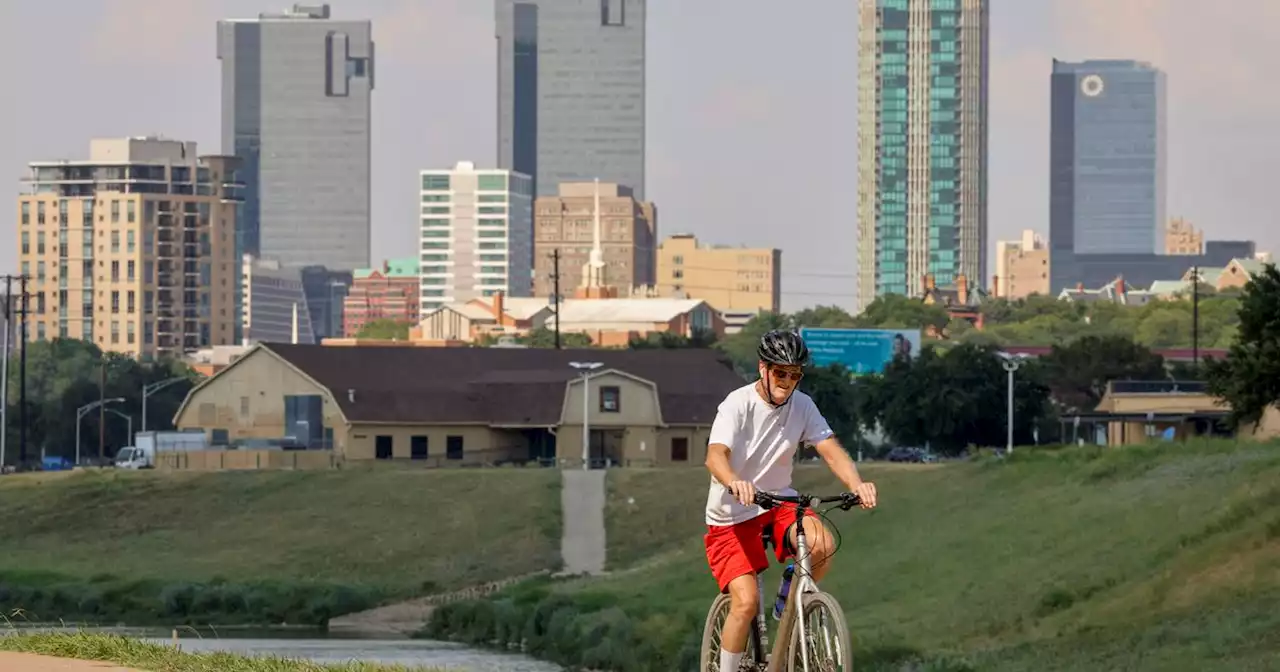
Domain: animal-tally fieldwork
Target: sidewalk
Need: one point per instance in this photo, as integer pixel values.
(26, 662)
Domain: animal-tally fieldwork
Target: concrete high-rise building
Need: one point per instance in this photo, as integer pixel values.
(296, 92)
(476, 234)
(571, 91)
(565, 223)
(731, 279)
(1022, 267)
(133, 249)
(922, 136)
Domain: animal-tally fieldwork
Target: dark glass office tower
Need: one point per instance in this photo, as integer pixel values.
(296, 91)
(571, 91)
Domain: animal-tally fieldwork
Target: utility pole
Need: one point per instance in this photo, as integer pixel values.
(4, 369)
(1195, 319)
(102, 407)
(555, 291)
(22, 378)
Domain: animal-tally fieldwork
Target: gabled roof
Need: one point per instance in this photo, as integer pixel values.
(500, 386)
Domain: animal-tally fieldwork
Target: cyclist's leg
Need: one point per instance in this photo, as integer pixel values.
(735, 554)
(817, 538)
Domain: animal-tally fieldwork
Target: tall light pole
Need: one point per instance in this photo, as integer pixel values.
(148, 390)
(84, 410)
(1011, 364)
(126, 416)
(586, 368)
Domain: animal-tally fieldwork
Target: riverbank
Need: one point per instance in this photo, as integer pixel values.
(73, 653)
(1142, 558)
(263, 548)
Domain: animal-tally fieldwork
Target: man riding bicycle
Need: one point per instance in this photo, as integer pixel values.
(756, 433)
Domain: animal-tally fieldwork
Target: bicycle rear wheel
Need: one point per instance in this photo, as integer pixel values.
(826, 637)
(710, 657)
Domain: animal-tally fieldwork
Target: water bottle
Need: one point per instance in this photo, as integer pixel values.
(784, 587)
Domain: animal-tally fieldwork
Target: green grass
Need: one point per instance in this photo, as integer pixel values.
(140, 655)
(1159, 558)
(263, 547)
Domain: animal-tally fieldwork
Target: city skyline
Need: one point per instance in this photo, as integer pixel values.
(725, 116)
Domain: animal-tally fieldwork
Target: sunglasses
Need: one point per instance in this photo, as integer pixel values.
(783, 374)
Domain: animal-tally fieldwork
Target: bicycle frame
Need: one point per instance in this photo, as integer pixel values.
(801, 583)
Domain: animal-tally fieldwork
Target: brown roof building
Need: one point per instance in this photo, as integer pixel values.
(467, 406)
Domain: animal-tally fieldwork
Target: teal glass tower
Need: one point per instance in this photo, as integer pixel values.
(922, 136)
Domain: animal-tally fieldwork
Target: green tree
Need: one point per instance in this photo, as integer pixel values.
(894, 311)
(386, 329)
(666, 340)
(1077, 373)
(1249, 378)
(741, 347)
(834, 392)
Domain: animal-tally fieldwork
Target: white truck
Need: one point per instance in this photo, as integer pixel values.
(142, 455)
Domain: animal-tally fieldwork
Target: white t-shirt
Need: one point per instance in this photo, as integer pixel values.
(762, 440)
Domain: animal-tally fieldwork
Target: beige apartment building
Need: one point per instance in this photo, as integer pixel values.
(1182, 237)
(731, 279)
(1022, 267)
(133, 249)
(566, 222)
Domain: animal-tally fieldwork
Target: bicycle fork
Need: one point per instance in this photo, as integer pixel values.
(761, 626)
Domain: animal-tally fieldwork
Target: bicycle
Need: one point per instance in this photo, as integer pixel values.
(794, 636)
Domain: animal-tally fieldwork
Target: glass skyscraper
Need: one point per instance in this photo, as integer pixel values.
(922, 136)
(296, 90)
(571, 91)
(1107, 162)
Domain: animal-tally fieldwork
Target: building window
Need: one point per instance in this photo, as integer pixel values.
(435, 183)
(40, 242)
(26, 212)
(115, 271)
(39, 213)
(26, 242)
(453, 447)
(418, 447)
(39, 331)
(610, 399)
(115, 302)
(115, 212)
(491, 182)
(130, 302)
(680, 449)
(115, 242)
(129, 332)
(129, 239)
(131, 212)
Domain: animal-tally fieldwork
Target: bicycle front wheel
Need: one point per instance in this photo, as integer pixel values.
(710, 658)
(826, 637)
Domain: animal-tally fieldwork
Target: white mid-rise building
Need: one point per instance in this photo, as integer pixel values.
(476, 235)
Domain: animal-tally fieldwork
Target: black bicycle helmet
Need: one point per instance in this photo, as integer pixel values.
(784, 348)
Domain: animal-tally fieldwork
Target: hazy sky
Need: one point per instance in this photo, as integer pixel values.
(752, 107)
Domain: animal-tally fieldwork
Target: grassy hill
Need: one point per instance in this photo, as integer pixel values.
(1160, 558)
(254, 547)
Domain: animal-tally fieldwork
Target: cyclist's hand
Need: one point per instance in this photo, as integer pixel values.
(743, 491)
(866, 493)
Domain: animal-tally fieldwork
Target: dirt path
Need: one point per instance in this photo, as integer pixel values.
(26, 662)
(402, 619)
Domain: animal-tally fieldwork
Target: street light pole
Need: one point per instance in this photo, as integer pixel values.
(128, 418)
(586, 368)
(148, 390)
(83, 411)
(1010, 365)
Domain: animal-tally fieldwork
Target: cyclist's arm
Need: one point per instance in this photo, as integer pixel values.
(718, 464)
(838, 460)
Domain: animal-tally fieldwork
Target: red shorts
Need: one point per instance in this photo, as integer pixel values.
(734, 550)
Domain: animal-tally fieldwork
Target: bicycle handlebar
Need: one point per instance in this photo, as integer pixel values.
(768, 500)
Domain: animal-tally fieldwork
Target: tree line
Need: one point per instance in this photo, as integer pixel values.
(64, 375)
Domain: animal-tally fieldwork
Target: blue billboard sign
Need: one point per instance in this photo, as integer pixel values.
(860, 350)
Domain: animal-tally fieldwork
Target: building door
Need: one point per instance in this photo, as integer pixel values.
(418, 447)
(382, 446)
(679, 449)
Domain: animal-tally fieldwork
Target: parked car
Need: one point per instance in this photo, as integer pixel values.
(909, 454)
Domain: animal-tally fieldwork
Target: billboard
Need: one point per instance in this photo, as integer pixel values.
(860, 350)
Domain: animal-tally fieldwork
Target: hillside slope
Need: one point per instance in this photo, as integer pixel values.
(243, 546)
(1160, 558)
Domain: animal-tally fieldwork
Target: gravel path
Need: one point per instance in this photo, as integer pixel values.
(26, 662)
